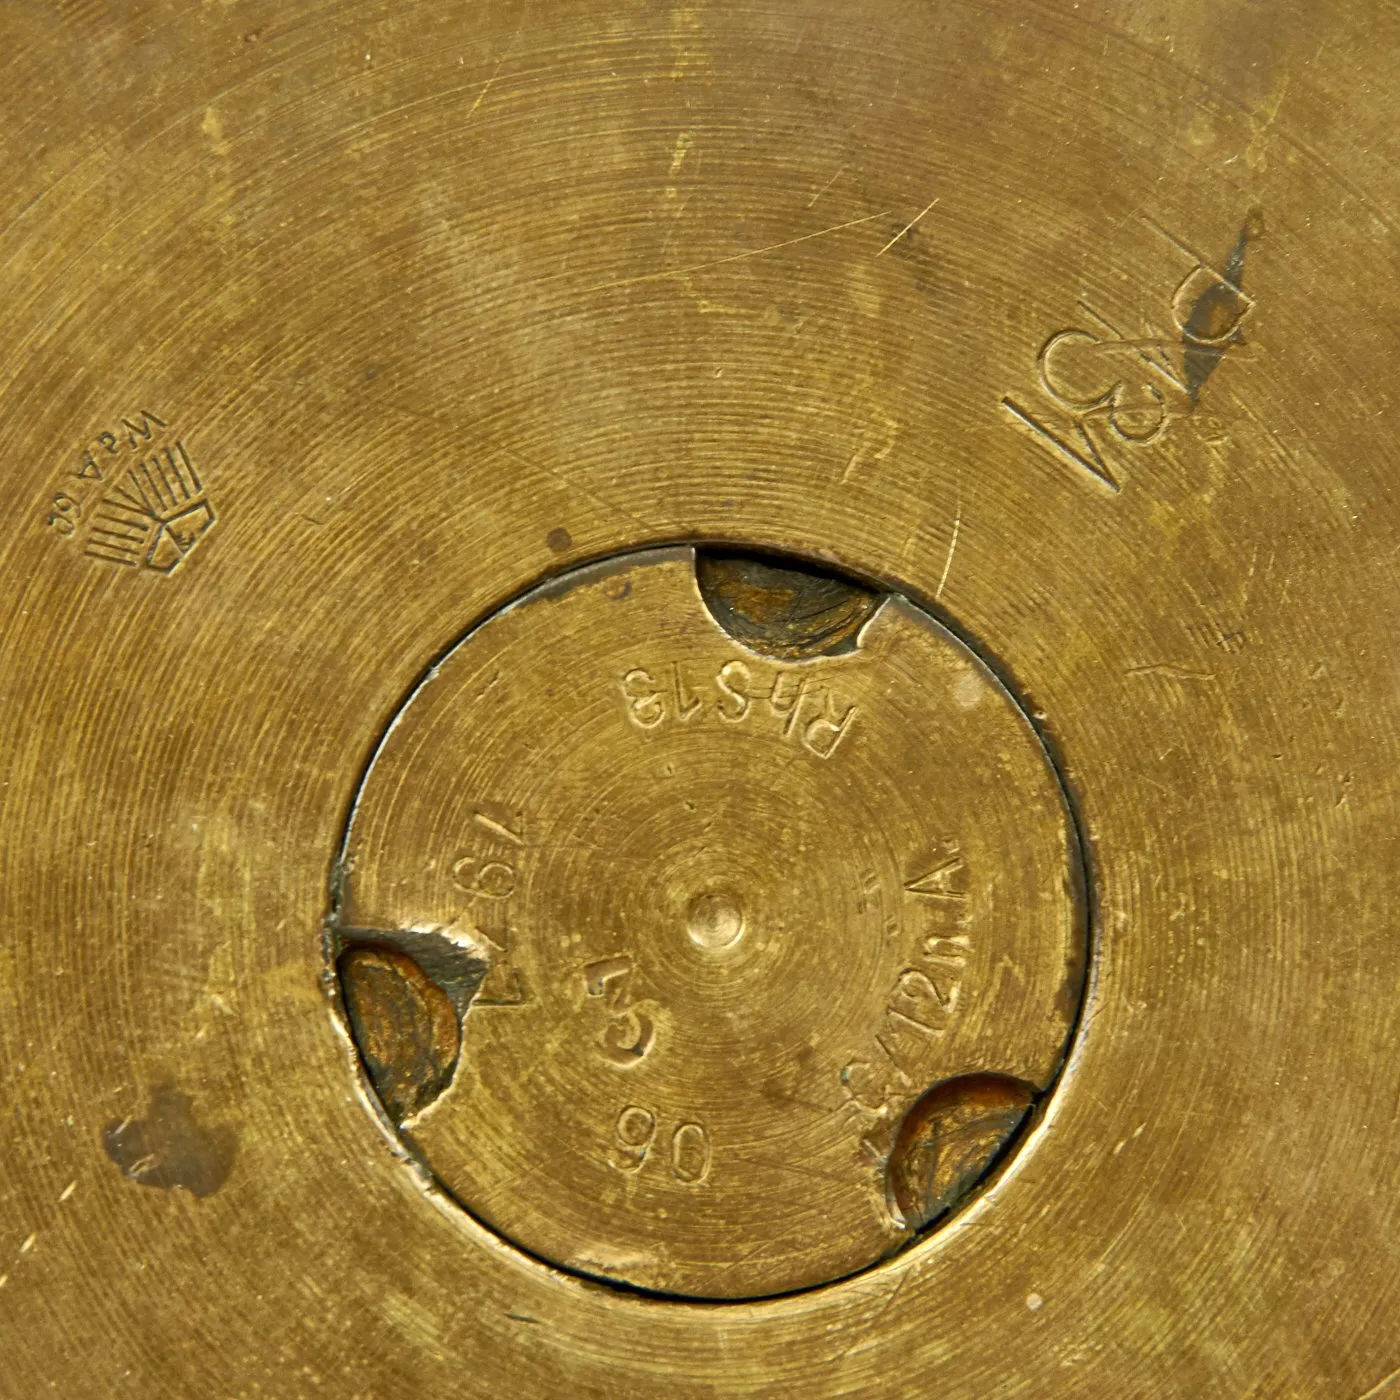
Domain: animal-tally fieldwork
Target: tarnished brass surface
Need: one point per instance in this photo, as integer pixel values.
(430, 968)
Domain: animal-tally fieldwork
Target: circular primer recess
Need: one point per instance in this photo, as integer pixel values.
(710, 924)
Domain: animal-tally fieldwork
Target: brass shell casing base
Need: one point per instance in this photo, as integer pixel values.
(378, 1019)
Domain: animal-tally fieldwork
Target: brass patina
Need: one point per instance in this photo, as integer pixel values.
(700, 700)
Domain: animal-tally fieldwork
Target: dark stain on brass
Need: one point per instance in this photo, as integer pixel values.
(950, 1139)
(1213, 324)
(170, 1148)
(781, 608)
